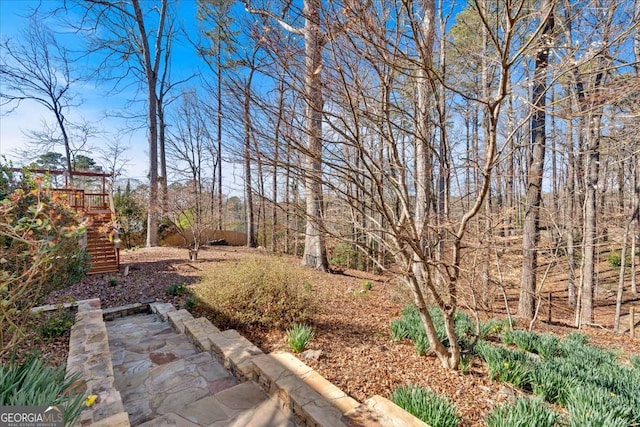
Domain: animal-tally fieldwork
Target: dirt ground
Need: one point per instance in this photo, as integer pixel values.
(351, 328)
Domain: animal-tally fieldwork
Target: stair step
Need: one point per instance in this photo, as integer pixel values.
(103, 271)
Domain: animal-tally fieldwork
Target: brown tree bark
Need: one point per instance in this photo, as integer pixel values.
(533, 199)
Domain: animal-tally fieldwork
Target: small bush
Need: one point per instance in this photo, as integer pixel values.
(39, 235)
(175, 290)
(345, 255)
(367, 286)
(615, 259)
(34, 383)
(299, 336)
(466, 362)
(426, 405)
(548, 382)
(576, 338)
(190, 303)
(492, 327)
(523, 412)
(548, 346)
(269, 292)
(57, 323)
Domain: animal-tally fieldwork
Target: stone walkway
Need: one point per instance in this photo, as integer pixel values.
(165, 380)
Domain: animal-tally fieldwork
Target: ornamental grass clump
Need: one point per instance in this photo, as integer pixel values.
(507, 365)
(524, 412)
(524, 340)
(590, 405)
(587, 380)
(426, 405)
(410, 326)
(265, 291)
(635, 361)
(299, 336)
(34, 383)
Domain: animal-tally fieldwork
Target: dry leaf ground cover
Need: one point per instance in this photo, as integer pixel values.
(351, 325)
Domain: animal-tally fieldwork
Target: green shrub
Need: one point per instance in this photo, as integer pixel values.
(267, 291)
(39, 236)
(524, 340)
(426, 405)
(589, 381)
(615, 259)
(576, 338)
(548, 346)
(545, 345)
(34, 383)
(57, 323)
(367, 285)
(550, 383)
(345, 255)
(175, 289)
(190, 303)
(299, 336)
(466, 362)
(524, 412)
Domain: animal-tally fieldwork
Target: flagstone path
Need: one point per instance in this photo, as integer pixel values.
(169, 369)
(164, 379)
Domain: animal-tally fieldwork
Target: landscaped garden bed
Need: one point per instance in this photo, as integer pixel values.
(351, 321)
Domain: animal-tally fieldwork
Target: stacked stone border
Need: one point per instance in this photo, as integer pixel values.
(309, 397)
(312, 400)
(89, 356)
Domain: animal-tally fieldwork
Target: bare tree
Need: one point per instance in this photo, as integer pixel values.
(132, 41)
(188, 147)
(315, 254)
(38, 69)
(379, 155)
(222, 44)
(533, 200)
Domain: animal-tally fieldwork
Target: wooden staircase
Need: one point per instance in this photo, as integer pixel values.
(103, 251)
(91, 200)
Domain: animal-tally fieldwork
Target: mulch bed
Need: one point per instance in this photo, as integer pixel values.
(351, 328)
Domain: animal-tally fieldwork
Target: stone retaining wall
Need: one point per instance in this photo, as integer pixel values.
(89, 356)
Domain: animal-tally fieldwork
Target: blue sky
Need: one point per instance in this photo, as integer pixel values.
(97, 101)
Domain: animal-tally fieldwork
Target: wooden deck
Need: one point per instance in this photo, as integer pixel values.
(95, 205)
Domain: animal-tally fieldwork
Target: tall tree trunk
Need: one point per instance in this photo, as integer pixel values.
(248, 189)
(276, 160)
(571, 208)
(590, 219)
(623, 265)
(152, 116)
(509, 197)
(219, 126)
(315, 254)
(163, 159)
(533, 199)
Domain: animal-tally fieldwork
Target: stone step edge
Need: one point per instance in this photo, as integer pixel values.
(311, 398)
(89, 355)
(238, 355)
(381, 411)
